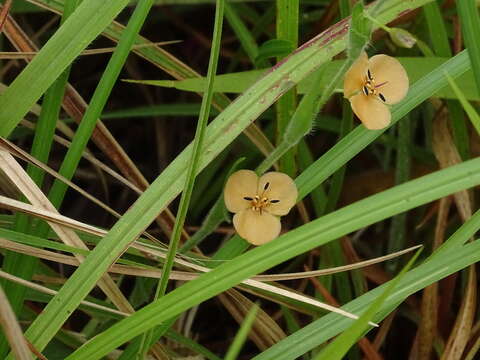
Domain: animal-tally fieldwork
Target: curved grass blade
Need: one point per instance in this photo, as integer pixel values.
(192, 166)
(242, 334)
(338, 348)
(300, 240)
(17, 264)
(453, 258)
(220, 133)
(470, 20)
(360, 137)
(88, 21)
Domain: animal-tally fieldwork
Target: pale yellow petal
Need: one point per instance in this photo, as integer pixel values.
(372, 113)
(391, 76)
(355, 76)
(240, 184)
(256, 228)
(280, 189)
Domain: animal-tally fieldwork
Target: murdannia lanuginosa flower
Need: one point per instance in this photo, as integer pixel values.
(371, 85)
(258, 203)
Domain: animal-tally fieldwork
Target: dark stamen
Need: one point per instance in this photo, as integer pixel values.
(382, 97)
(266, 186)
(248, 198)
(365, 90)
(369, 75)
(274, 201)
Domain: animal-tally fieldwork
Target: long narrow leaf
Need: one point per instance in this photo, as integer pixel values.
(227, 126)
(309, 236)
(88, 21)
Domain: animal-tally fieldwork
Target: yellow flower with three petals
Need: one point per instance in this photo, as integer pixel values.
(257, 203)
(371, 85)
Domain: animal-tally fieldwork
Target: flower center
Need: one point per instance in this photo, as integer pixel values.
(370, 88)
(260, 202)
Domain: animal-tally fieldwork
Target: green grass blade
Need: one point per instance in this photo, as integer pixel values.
(198, 143)
(164, 60)
(470, 21)
(469, 109)
(398, 227)
(437, 30)
(339, 347)
(88, 21)
(360, 137)
(39, 242)
(441, 46)
(329, 326)
(459, 237)
(416, 67)
(242, 334)
(244, 36)
(334, 249)
(287, 30)
(14, 263)
(373, 209)
(220, 133)
(187, 342)
(303, 118)
(99, 99)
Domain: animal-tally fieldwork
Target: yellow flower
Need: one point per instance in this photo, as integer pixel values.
(257, 203)
(370, 84)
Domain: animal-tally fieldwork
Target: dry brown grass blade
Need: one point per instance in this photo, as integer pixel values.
(157, 350)
(19, 153)
(70, 260)
(123, 269)
(46, 290)
(315, 273)
(6, 187)
(472, 352)
(447, 155)
(253, 132)
(55, 218)
(86, 155)
(30, 190)
(4, 13)
(12, 329)
(75, 107)
(384, 329)
(50, 216)
(30, 54)
(460, 334)
(265, 332)
(427, 330)
(367, 347)
(300, 297)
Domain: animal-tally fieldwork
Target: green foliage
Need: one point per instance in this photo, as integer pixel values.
(286, 94)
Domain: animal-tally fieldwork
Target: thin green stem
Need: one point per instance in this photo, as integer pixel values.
(99, 99)
(242, 334)
(193, 164)
(287, 29)
(470, 21)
